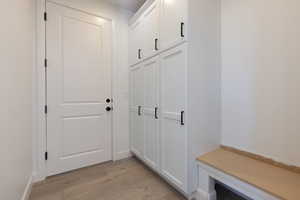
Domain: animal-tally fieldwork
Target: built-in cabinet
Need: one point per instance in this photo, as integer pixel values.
(174, 85)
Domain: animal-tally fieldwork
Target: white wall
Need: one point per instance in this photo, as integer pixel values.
(261, 77)
(120, 85)
(16, 63)
(204, 76)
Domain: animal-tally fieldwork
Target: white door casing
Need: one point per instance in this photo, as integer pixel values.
(78, 83)
(173, 72)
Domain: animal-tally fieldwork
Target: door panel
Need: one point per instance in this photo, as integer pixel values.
(133, 121)
(74, 127)
(150, 119)
(137, 134)
(172, 14)
(151, 26)
(133, 110)
(136, 37)
(137, 120)
(77, 74)
(173, 103)
(78, 82)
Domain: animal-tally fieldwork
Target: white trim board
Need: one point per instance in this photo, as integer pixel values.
(39, 140)
(207, 177)
(28, 189)
(140, 11)
(123, 155)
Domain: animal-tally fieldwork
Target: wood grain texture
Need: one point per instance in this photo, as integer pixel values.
(123, 180)
(274, 180)
(263, 159)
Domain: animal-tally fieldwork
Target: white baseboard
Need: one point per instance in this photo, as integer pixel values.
(202, 195)
(27, 190)
(122, 155)
(38, 177)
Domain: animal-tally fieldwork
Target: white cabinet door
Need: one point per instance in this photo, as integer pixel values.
(173, 19)
(151, 26)
(137, 41)
(136, 113)
(151, 112)
(173, 71)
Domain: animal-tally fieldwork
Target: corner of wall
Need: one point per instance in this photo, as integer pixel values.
(28, 189)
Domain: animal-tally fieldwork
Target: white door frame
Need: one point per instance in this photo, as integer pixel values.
(39, 94)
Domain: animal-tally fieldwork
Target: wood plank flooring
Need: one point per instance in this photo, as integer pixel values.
(123, 180)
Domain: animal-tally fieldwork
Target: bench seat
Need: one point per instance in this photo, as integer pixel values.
(258, 179)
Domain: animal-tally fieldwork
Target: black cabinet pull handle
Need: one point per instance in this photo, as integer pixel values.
(139, 110)
(139, 54)
(182, 27)
(181, 118)
(156, 44)
(156, 109)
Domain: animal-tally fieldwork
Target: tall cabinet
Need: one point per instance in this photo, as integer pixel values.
(175, 86)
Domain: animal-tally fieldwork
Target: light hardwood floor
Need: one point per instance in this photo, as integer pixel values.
(123, 180)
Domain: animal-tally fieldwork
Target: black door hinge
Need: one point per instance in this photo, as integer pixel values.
(46, 155)
(46, 62)
(45, 16)
(46, 109)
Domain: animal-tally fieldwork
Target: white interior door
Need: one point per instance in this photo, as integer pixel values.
(78, 73)
(173, 119)
(151, 111)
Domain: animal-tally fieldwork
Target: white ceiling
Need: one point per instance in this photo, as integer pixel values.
(132, 5)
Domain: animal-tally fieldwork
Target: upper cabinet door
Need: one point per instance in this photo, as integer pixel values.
(151, 30)
(136, 39)
(173, 22)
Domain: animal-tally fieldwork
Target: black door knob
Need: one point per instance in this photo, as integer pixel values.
(108, 109)
(107, 100)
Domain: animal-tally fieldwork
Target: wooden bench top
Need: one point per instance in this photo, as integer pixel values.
(279, 182)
